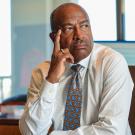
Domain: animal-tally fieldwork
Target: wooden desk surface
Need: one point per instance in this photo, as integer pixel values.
(9, 126)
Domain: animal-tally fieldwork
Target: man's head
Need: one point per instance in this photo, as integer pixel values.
(76, 31)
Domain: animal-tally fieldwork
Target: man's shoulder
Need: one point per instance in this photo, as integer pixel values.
(42, 68)
(101, 51)
(102, 55)
(102, 48)
(44, 65)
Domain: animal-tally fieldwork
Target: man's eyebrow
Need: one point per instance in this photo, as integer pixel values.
(66, 24)
(70, 24)
(85, 21)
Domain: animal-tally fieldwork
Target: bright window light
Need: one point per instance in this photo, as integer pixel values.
(130, 20)
(102, 15)
(6, 88)
(5, 38)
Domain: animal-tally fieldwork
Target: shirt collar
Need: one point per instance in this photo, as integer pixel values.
(83, 62)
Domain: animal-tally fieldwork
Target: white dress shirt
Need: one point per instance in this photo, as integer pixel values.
(106, 97)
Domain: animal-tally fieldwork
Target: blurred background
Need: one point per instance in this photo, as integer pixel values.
(25, 42)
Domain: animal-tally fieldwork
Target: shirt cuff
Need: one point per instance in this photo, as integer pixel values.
(49, 91)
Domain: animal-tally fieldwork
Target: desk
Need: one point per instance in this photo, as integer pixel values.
(9, 123)
(9, 127)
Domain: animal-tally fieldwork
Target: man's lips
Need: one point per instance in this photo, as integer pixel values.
(79, 46)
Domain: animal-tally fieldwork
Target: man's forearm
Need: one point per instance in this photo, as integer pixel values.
(37, 117)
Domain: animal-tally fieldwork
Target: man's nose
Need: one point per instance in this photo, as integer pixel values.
(77, 34)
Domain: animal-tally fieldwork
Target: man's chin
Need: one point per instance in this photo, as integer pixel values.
(80, 55)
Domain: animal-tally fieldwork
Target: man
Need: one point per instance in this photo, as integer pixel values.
(105, 79)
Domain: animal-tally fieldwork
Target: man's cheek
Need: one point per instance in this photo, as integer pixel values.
(66, 45)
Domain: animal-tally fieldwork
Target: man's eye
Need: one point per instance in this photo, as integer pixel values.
(84, 26)
(68, 29)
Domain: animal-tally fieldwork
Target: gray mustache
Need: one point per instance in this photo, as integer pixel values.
(79, 42)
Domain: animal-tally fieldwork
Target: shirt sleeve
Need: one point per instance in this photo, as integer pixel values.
(37, 116)
(115, 102)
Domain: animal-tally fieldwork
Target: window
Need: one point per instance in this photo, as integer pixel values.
(130, 20)
(5, 48)
(102, 18)
(111, 20)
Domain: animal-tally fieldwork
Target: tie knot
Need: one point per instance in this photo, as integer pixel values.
(76, 68)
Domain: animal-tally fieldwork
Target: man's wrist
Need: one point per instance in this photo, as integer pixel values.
(52, 79)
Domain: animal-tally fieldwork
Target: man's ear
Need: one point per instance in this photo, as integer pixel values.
(52, 36)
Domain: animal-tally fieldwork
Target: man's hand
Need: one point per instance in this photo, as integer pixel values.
(59, 58)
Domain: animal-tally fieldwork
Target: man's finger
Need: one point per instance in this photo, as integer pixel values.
(68, 58)
(57, 42)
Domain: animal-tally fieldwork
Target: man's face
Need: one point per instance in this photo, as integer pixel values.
(76, 32)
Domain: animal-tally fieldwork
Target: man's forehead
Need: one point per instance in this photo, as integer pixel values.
(68, 6)
(68, 10)
(71, 16)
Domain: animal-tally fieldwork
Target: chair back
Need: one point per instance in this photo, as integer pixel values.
(132, 107)
(15, 100)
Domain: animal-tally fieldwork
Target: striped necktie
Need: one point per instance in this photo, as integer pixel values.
(73, 102)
